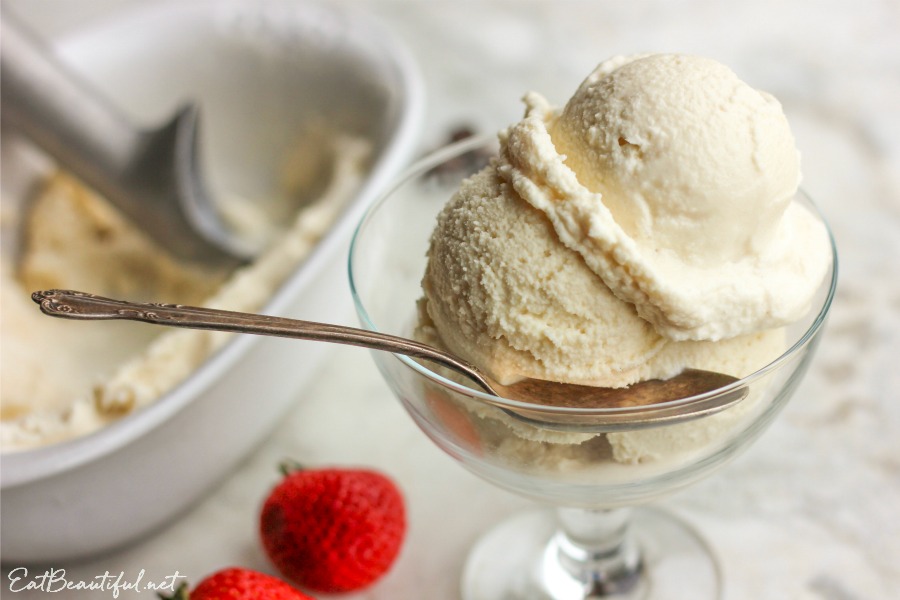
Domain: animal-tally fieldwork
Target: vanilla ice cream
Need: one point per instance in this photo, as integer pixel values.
(645, 227)
(62, 380)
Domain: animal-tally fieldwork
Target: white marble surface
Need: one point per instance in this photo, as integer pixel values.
(812, 511)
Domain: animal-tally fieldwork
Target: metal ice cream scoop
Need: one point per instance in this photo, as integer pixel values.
(634, 404)
(153, 176)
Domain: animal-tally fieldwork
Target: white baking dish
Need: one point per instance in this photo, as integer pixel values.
(95, 493)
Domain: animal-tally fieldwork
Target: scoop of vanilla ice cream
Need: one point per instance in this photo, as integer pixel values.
(615, 239)
(687, 158)
(502, 291)
(673, 180)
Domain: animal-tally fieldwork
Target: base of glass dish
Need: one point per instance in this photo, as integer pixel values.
(514, 561)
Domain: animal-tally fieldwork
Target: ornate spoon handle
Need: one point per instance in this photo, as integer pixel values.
(71, 304)
(634, 404)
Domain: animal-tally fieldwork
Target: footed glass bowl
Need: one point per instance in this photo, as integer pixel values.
(593, 470)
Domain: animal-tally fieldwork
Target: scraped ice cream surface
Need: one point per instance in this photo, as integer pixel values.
(72, 238)
(646, 227)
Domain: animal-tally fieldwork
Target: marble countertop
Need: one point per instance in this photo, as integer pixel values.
(812, 511)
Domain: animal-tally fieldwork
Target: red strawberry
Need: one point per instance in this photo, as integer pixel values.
(333, 530)
(239, 584)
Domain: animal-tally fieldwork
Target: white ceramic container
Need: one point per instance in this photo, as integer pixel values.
(261, 69)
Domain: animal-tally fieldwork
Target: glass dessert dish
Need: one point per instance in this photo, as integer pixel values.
(594, 469)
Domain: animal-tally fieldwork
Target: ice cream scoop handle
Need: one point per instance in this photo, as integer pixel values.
(58, 110)
(72, 304)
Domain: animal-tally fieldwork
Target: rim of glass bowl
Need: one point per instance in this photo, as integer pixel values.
(700, 400)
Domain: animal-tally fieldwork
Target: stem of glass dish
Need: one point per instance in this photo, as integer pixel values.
(593, 555)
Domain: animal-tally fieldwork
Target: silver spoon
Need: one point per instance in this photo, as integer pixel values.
(634, 404)
(153, 176)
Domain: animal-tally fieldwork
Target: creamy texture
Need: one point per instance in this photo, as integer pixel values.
(62, 379)
(645, 227)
